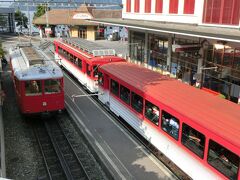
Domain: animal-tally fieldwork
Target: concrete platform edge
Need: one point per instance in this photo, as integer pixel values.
(109, 171)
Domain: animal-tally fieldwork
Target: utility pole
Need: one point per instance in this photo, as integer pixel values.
(29, 21)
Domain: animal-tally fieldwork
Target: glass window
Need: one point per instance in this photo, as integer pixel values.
(88, 70)
(170, 124)
(80, 63)
(152, 112)
(125, 94)
(100, 79)
(114, 87)
(95, 71)
(33, 87)
(137, 102)
(223, 160)
(193, 140)
(52, 86)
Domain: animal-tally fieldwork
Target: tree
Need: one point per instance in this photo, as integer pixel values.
(21, 19)
(41, 9)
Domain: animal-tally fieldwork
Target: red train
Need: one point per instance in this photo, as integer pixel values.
(82, 58)
(38, 82)
(196, 130)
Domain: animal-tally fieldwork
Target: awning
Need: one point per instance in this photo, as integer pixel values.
(201, 31)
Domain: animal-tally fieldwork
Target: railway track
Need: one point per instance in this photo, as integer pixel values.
(59, 154)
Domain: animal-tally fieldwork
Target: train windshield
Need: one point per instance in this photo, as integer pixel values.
(52, 86)
(33, 88)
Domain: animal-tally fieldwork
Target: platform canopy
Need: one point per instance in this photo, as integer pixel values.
(217, 33)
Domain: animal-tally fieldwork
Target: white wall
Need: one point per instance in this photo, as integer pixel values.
(195, 18)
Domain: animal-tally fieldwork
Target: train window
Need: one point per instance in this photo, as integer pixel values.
(80, 63)
(33, 88)
(114, 87)
(95, 71)
(137, 102)
(152, 112)
(170, 124)
(75, 60)
(223, 160)
(100, 79)
(52, 86)
(193, 140)
(88, 70)
(125, 94)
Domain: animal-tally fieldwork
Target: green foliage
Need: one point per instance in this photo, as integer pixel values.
(41, 9)
(21, 19)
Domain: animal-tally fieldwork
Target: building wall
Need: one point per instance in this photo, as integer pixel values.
(91, 33)
(74, 31)
(197, 15)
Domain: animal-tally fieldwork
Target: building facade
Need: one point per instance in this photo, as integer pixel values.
(197, 41)
(7, 20)
(74, 22)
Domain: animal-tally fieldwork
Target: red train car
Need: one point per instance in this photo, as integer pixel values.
(197, 131)
(82, 58)
(38, 82)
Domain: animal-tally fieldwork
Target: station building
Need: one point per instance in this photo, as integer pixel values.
(74, 21)
(196, 41)
(7, 20)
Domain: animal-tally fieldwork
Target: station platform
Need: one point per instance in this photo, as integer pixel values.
(121, 153)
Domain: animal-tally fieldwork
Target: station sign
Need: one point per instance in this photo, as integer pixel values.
(82, 16)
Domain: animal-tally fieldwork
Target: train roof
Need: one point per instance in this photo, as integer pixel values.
(218, 115)
(28, 63)
(91, 51)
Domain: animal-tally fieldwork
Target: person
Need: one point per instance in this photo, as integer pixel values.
(155, 112)
(193, 137)
(175, 127)
(34, 87)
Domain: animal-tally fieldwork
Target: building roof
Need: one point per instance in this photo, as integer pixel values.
(85, 51)
(76, 16)
(218, 33)
(218, 115)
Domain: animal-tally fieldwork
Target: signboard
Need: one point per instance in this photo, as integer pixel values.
(48, 30)
(185, 48)
(82, 16)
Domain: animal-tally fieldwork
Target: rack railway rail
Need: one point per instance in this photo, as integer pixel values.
(63, 156)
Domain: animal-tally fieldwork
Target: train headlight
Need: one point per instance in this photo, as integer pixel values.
(44, 103)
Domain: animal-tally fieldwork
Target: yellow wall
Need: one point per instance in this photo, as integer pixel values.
(90, 32)
(74, 31)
